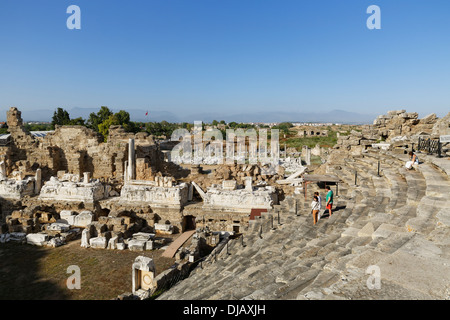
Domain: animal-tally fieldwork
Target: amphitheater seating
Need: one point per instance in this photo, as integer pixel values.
(397, 222)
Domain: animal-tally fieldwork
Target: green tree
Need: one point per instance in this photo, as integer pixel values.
(95, 119)
(119, 118)
(283, 127)
(123, 117)
(78, 122)
(103, 128)
(164, 128)
(60, 117)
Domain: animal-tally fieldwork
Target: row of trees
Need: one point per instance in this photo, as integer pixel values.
(99, 122)
(105, 118)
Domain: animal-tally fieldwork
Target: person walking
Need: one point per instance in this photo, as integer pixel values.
(319, 199)
(329, 200)
(315, 209)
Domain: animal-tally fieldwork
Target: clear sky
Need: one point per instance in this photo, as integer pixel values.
(190, 56)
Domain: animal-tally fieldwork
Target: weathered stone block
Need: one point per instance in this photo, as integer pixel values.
(136, 245)
(67, 216)
(55, 242)
(37, 239)
(163, 228)
(366, 231)
(121, 246)
(85, 237)
(112, 243)
(58, 226)
(83, 219)
(98, 242)
(149, 245)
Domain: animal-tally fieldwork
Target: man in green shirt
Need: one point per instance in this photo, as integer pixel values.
(329, 200)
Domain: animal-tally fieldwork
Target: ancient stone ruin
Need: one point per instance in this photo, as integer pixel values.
(125, 194)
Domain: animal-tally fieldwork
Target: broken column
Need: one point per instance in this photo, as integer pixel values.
(248, 184)
(306, 154)
(131, 160)
(38, 181)
(86, 177)
(191, 192)
(85, 237)
(2, 170)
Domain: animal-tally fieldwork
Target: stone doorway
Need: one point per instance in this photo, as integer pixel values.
(189, 223)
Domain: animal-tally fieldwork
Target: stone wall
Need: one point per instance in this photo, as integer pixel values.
(396, 127)
(155, 195)
(75, 149)
(55, 190)
(310, 132)
(240, 199)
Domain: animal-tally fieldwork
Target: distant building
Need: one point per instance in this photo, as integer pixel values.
(313, 133)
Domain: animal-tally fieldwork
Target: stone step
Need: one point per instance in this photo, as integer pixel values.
(379, 219)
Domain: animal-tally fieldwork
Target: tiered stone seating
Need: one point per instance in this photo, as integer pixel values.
(398, 222)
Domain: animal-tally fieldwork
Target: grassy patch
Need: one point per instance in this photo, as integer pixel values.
(38, 273)
(294, 141)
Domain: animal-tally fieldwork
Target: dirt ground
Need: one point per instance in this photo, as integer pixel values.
(40, 273)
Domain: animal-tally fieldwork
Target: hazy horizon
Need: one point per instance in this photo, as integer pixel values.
(226, 57)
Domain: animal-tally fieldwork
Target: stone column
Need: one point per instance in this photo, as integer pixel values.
(191, 192)
(86, 177)
(38, 181)
(131, 160)
(248, 184)
(85, 236)
(2, 170)
(125, 172)
(306, 155)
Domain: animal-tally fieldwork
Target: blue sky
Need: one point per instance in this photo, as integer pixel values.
(226, 56)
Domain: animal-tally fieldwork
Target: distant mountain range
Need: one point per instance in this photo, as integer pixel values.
(334, 116)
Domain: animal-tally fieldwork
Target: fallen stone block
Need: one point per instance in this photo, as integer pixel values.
(121, 246)
(18, 237)
(58, 226)
(98, 242)
(55, 242)
(83, 219)
(71, 234)
(85, 237)
(37, 239)
(143, 236)
(136, 245)
(67, 216)
(149, 245)
(4, 237)
(112, 243)
(163, 228)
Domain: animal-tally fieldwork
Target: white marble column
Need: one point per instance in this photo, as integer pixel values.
(131, 160)
(38, 181)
